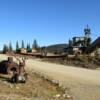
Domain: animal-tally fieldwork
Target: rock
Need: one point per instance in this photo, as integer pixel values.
(57, 96)
(5, 82)
(11, 86)
(45, 77)
(66, 96)
(17, 87)
(55, 82)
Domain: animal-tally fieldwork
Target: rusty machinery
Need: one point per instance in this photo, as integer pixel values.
(18, 70)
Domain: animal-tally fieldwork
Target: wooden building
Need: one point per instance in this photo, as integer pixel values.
(34, 50)
(23, 50)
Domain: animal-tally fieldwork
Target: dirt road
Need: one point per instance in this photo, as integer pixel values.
(83, 83)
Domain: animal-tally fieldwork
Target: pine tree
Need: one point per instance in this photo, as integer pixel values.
(70, 43)
(23, 46)
(5, 48)
(10, 47)
(28, 47)
(35, 44)
(17, 47)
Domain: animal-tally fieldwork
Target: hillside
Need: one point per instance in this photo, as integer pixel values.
(57, 47)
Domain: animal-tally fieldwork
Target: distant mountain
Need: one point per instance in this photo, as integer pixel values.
(56, 48)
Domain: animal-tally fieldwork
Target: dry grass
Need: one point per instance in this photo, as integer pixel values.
(35, 88)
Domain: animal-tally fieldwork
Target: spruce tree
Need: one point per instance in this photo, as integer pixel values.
(10, 47)
(23, 46)
(35, 44)
(5, 48)
(17, 47)
(28, 47)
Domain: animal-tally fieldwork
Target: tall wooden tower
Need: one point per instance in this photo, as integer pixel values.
(87, 32)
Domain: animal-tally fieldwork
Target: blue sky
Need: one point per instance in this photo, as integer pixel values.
(48, 21)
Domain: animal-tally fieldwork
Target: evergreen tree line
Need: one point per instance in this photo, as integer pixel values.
(9, 48)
